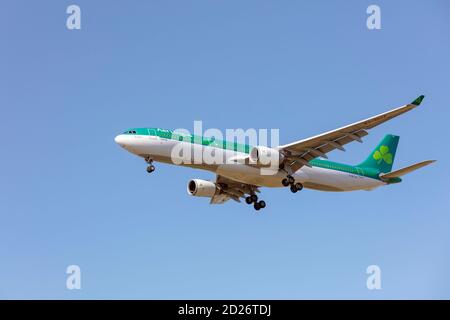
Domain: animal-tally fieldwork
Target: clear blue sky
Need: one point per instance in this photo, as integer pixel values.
(70, 195)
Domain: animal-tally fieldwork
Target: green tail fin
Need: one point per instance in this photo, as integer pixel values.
(382, 158)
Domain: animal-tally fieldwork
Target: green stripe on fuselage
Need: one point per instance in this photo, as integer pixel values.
(169, 134)
(245, 148)
(326, 164)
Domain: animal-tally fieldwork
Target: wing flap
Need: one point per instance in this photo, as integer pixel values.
(219, 198)
(231, 189)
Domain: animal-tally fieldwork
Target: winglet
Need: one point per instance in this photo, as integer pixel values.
(418, 101)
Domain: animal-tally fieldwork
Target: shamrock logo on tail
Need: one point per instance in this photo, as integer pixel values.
(383, 155)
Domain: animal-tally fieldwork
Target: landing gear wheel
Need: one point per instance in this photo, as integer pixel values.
(291, 179)
(150, 167)
(294, 188)
(257, 206)
(299, 186)
(285, 182)
(248, 200)
(262, 204)
(254, 198)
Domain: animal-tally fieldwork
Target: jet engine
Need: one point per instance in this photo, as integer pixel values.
(201, 188)
(264, 156)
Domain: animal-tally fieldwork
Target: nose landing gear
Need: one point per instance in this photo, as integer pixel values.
(150, 167)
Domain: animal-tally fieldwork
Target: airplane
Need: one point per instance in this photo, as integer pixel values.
(302, 164)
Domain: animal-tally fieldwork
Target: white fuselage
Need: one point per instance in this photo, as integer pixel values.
(160, 149)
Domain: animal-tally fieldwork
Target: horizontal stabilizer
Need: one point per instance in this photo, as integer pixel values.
(403, 171)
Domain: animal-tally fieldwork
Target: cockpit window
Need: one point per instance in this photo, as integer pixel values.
(130, 132)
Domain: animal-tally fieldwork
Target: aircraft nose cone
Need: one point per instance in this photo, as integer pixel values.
(120, 140)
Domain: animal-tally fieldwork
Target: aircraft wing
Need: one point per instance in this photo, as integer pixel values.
(299, 153)
(231, 189)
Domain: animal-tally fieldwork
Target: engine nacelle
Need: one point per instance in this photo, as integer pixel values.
(201, 188)
(265, 156)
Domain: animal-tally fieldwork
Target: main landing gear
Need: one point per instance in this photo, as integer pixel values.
(150, 167)
(290, 181)
(253, 198)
